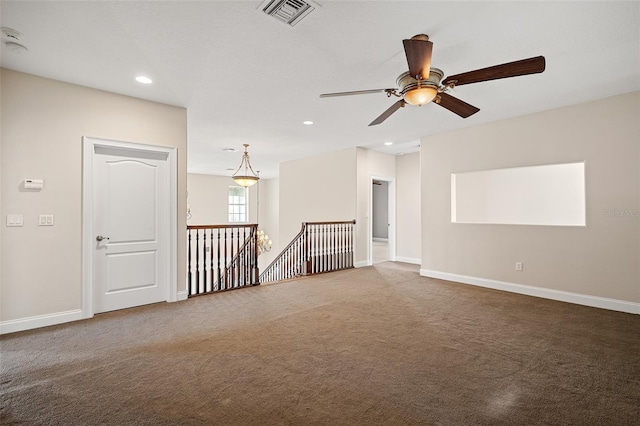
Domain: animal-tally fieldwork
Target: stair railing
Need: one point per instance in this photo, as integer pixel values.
(221, 257)
(242, 270)
(319, 247)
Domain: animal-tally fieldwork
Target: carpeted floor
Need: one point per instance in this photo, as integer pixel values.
(370, 346)
(379, 251)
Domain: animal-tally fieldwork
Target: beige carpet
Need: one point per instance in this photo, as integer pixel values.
(371, 346)
(379, 251)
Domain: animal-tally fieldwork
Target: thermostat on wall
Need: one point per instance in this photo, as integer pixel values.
(33, 184)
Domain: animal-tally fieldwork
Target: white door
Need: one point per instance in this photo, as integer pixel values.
(130, 228)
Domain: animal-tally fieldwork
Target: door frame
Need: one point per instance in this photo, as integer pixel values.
(391, 214)
(89, 145)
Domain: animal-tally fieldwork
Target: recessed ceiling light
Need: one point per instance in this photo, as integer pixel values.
(307, 123)
(143, 79)
(230, 169)
(388, 143)
(230, 149)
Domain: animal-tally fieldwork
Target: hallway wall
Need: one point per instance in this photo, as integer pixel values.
(43, 122)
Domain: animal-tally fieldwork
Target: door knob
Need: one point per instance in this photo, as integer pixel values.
(100, 238)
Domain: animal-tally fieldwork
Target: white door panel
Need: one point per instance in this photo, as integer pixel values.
(132, 192)
(131, 210)
(128, 271)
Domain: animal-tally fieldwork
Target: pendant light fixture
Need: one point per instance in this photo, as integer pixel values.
(245, 176)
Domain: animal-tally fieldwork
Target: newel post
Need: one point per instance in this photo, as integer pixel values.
(306, 256)
(254, 258)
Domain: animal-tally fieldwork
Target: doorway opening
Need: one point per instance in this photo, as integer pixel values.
(382, 223)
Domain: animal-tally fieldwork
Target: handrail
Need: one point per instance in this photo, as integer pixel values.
(304, 224)
(234, 225)
(337, 222)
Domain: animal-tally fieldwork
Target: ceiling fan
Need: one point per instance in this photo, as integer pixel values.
(421, 84)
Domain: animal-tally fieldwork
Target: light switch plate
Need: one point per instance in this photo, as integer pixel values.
(15, 220)
(45, 220)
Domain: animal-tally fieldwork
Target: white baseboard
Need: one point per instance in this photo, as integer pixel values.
(23, 324)
(361, 264)
(412, 260)
(546, 293)
(380, 239)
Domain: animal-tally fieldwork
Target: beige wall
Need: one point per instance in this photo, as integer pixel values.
(408, 224)
(332, 186)
(599, 260)
(209, 199)
(43, 122)
(269, 218)
(320, 188)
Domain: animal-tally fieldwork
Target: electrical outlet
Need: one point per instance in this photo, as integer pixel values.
(518, 266)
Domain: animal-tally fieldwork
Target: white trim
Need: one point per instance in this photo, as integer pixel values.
(173, 224)
(182, 295)
(380, 240)
(29, 323)
(392, 220)
(361, 264)
(546, 293)
(413, 260)
(88, 151)
(89, 145)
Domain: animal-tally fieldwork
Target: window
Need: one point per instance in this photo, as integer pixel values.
(237, 204)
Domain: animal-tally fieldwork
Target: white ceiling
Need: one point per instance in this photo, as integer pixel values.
(245, 77)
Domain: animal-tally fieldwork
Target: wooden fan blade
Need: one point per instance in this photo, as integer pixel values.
(456, 106)
(393, 108)
(510, 69)
(418, 52)
(356, 92)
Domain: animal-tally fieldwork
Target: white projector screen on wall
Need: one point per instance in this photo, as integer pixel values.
(533, 195)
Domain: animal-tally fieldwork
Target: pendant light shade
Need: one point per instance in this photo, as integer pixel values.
(245, 176)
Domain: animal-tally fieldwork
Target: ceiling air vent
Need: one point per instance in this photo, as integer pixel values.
(288, 11)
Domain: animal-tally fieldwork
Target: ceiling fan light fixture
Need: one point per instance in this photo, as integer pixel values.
(421, 95)
(245, 176)
(419, 92)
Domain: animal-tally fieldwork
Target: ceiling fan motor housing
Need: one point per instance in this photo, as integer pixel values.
(419, 92)
(407, 83)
